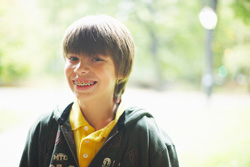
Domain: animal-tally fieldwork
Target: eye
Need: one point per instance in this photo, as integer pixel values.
(97, 59)
(73, 58)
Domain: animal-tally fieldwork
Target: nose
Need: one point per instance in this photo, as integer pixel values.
(81, 67)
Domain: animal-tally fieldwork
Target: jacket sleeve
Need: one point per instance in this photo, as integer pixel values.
(165, 158)
(30, 153)
(39, 143)
(163, 148)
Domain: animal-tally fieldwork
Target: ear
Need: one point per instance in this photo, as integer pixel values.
(120, 78)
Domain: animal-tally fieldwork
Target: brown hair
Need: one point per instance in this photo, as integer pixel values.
(101, 34)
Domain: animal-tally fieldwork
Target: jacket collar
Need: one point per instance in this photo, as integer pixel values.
(61, 113)
(129, 116)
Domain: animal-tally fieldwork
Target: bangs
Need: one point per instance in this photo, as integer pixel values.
(87, 40)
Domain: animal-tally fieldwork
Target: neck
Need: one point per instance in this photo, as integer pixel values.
(98, 113)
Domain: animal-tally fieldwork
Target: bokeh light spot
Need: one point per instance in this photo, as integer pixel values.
(222, 71)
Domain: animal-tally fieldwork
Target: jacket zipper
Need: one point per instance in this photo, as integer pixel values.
(72, 152)
(110, 138)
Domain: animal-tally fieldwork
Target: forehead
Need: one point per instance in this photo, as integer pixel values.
(86, 57)
(105, 56)
(89, 55)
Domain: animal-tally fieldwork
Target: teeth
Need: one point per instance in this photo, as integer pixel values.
(83, 83)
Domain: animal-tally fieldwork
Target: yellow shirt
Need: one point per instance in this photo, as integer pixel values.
(88, 141)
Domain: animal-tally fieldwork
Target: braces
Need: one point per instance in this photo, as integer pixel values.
(83, 83)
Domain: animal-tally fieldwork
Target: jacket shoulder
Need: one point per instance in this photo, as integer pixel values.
(57, 116)
(40, 140)
(160, 147)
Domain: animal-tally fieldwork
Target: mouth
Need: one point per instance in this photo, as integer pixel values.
(84, 83)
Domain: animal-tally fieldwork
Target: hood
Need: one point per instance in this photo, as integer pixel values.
(130, 115)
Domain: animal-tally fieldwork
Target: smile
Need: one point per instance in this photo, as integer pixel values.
(82, 83)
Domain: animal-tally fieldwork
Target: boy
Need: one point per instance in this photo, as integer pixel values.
(95, 130)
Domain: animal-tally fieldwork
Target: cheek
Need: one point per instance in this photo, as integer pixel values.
(113, 70)
(67, 70)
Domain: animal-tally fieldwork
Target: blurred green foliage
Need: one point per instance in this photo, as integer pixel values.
(241, 8)
(169, 38)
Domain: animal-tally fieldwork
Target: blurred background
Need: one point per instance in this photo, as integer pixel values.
(192, 71)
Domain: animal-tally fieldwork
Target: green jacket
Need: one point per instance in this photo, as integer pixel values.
(135, 141)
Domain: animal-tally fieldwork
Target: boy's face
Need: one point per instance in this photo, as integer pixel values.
(90, 77)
